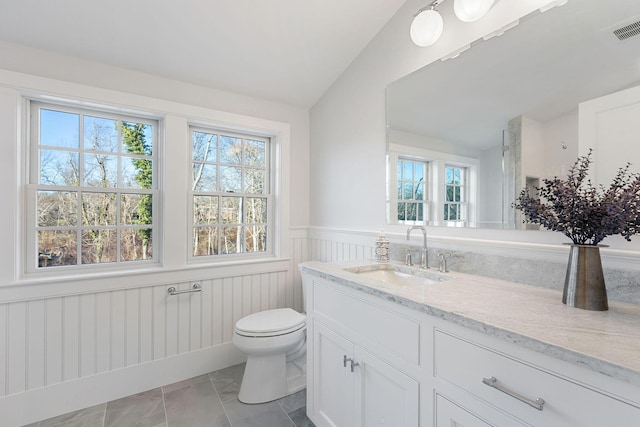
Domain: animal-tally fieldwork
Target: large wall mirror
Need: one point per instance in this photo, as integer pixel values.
(465, 135)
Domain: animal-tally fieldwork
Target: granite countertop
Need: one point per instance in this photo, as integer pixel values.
(604, 341)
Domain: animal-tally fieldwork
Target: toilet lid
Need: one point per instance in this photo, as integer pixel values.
(277, 321)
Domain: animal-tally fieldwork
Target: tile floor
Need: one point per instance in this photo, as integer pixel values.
(208, 400)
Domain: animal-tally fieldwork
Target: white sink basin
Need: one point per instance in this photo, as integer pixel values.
(399, 275)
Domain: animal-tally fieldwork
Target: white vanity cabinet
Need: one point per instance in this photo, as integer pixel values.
(354, 388)
(373, 359)
(352, 382)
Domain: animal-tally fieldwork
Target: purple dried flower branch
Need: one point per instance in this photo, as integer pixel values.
(584, 213)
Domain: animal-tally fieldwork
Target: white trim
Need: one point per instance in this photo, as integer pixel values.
(46, 402)
(80, 285)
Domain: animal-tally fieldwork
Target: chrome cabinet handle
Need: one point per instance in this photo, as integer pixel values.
(346, 359)
(493, 382)
(173, 291)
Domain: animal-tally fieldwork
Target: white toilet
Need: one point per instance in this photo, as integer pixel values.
(275, 344)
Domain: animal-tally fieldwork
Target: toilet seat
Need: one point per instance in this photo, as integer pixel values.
(269, 323)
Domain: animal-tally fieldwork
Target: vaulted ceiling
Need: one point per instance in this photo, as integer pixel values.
(288, 51)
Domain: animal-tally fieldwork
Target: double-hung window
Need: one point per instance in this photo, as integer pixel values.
(92, 179)
(412, 175)
(455, 207)
(230, 193)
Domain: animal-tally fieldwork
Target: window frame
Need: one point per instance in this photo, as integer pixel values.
(462, 204)
(426, 191)
(269, 195)
(33, 106)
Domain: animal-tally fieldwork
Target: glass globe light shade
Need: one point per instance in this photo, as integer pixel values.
(471, 10)
(426, 28)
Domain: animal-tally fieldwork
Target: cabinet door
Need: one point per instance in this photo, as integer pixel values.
(333, 382)
(449, 414)
(384, 395)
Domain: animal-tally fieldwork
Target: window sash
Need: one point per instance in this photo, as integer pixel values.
(118, 226)
(455, 205)
(412, 182)
(216, 228)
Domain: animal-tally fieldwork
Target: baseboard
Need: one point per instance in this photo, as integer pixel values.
(46, 402)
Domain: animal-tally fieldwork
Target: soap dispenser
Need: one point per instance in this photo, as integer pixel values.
(382, 248)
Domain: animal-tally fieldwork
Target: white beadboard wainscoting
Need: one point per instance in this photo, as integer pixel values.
(62, 348)
(68, 350)
(340, 245)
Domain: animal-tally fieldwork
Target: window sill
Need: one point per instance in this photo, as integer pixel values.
(40, 285)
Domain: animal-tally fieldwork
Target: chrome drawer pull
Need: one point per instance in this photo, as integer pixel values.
(493, 382)
(196, 288)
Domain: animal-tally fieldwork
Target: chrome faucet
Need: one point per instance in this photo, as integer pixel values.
(425, 255)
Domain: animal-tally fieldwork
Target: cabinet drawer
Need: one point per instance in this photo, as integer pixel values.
(375, 327)
(450, 414)
(465, 365)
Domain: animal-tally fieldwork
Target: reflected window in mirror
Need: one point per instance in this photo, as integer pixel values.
(411, 190)
(430, 187)
(455, 207)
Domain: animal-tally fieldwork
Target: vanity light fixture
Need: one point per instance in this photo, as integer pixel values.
(427, 24)
(471, 10)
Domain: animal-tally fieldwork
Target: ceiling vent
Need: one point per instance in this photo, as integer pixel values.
(628, 31)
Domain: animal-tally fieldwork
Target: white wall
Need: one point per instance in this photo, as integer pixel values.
(558, 160)
(429, 143)
(606, 122)
(47, 64)
(70, 342)
(490, 188)
(532, 149)
(348, 125)
(542, 146)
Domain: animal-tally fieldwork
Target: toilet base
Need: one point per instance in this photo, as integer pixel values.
(270, 377)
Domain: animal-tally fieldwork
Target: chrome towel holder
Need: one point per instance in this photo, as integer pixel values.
(173, 291)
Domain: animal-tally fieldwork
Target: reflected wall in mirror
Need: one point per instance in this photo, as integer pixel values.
(465, 135)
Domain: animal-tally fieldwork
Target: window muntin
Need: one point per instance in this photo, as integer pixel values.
(455, 194)
(94, 180)
(411, 190)
(231, 196)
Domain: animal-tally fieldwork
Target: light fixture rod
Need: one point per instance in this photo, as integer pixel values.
(431, 6)
(427, 24)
